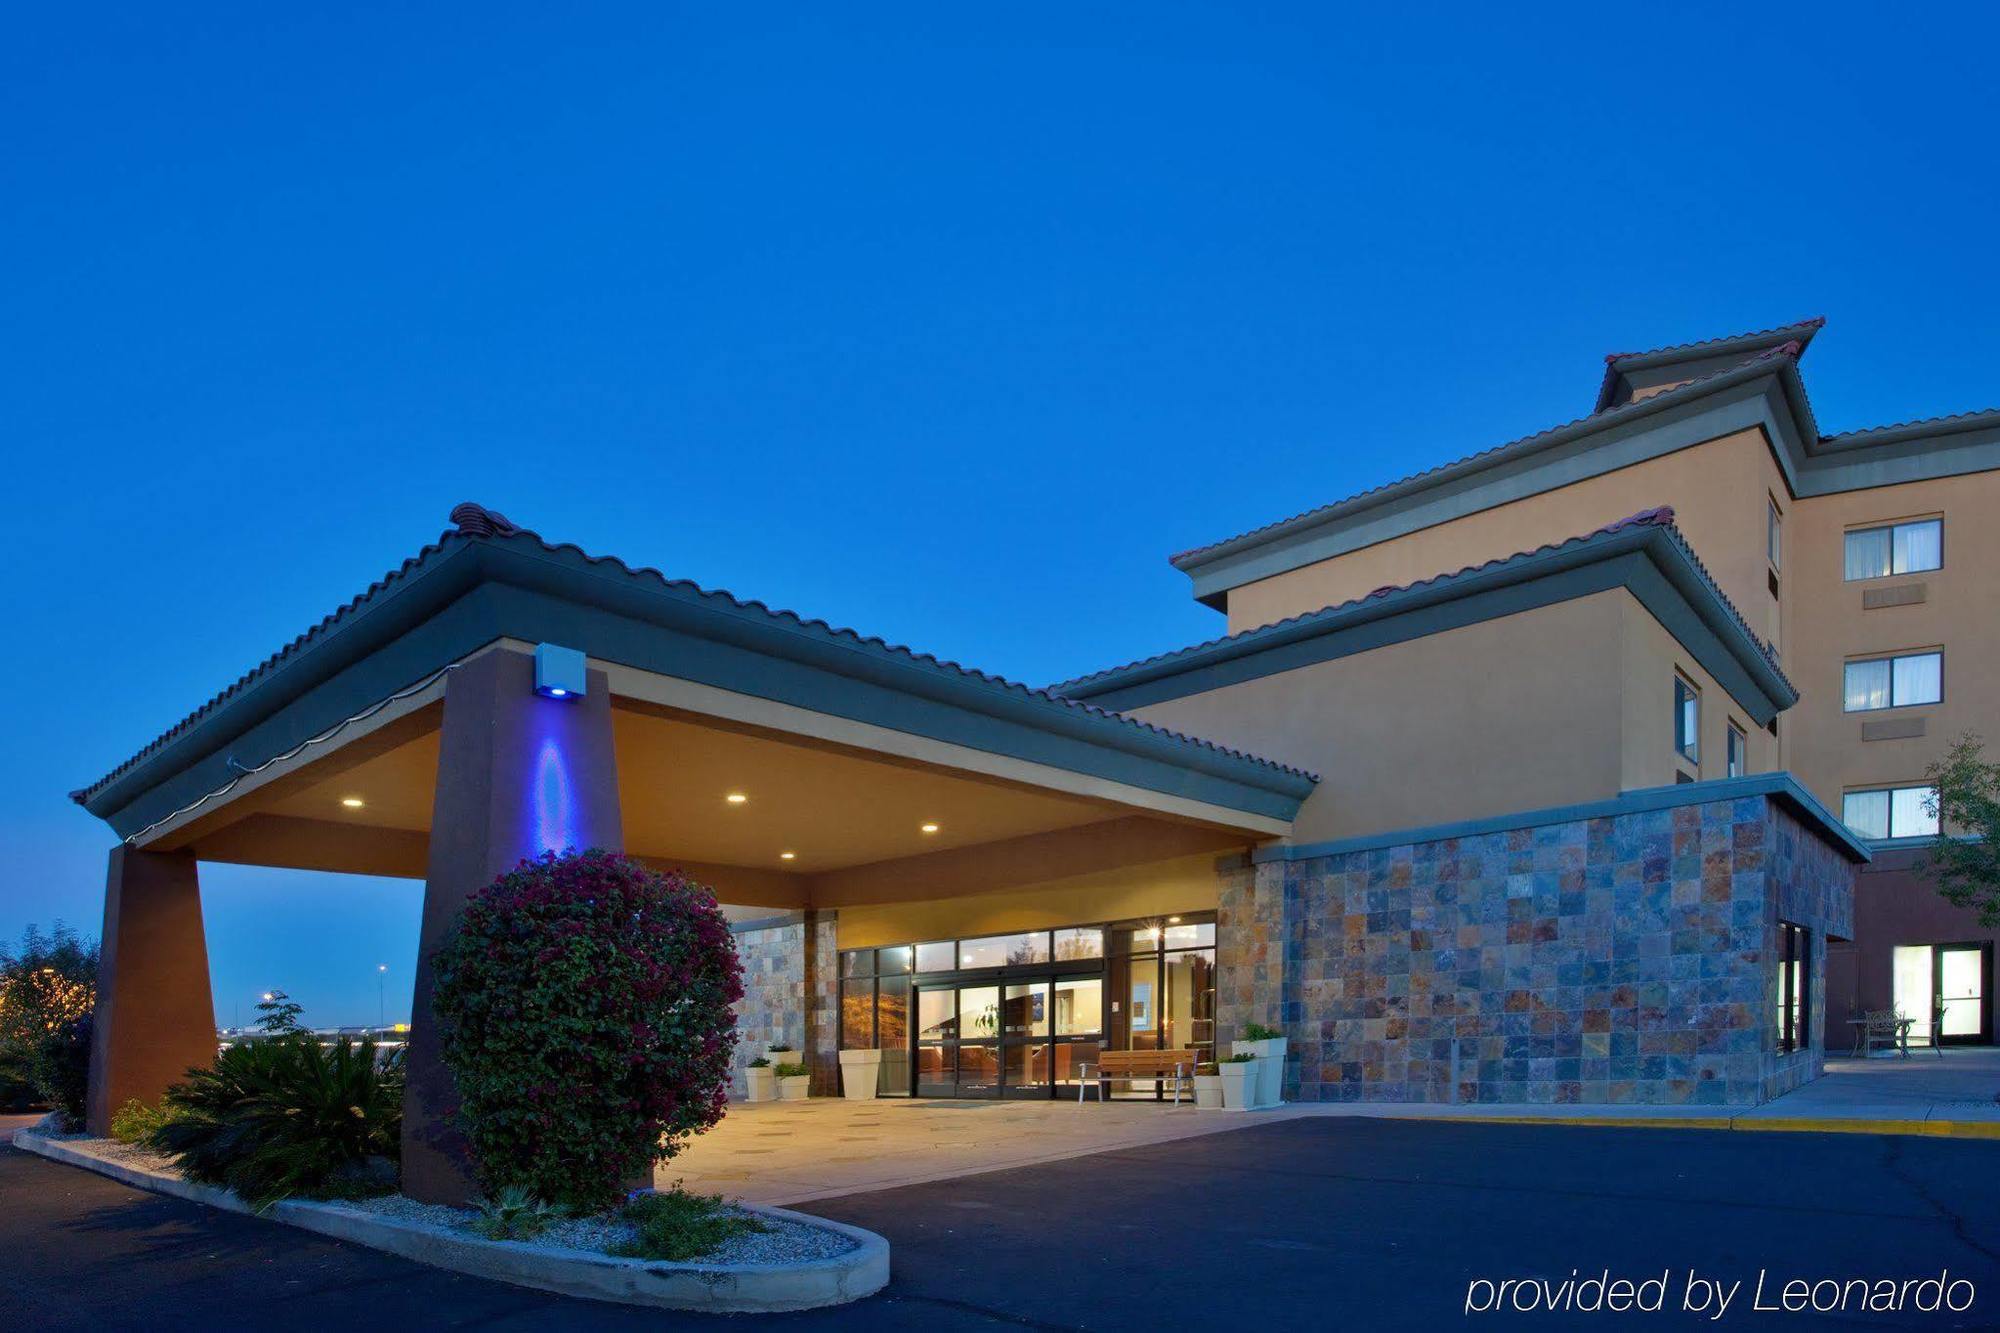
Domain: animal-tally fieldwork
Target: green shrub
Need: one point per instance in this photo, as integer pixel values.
(1242, 1059)
(286, 1116)
(760, 1063)
(1258, 1032)
(584, 1010)
(793, 1070)
(135, 1122)
(17, 1080)
(514, 1214)
(679, 1226)
(60, 1070)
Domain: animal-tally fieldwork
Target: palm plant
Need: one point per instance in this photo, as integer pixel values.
(285, 1116)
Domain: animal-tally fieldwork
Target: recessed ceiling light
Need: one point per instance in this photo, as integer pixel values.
(352, 802)
(1173, 921)
(736, 798)
(788, 856)
(929, 828)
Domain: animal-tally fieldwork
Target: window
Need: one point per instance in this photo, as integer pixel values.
(1739, 752)
(1898, 548)
(1687, 720)
(1794, 987)
(1895, 682)
(1773, 531)
(1891, 812)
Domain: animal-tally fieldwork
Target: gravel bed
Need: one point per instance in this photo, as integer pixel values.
(783, 1242)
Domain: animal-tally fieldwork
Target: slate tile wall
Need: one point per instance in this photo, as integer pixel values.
(1624, 959)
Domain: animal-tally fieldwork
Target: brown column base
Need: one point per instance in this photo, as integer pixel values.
(155, 1012)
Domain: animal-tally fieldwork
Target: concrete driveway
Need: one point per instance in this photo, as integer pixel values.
(791, 1152)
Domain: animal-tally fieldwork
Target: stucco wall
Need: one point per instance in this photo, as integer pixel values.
(1649, 759)
(1555, 706)
(1960, 613)
(1624, 959)
(1718, 491)
(1183, 884)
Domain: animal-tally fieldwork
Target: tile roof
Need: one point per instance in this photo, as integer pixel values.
(1788, 351)
(1675, 351)
(1903, 430)
(1661, 518)
(474, 522)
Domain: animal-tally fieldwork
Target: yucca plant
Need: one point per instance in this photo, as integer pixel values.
(278, 1117)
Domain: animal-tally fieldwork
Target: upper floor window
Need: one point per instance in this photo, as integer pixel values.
(1891, 812)
(1897, 548)
(1739, 752)
(1895, 682)
(1687, 719)
(1773, 530)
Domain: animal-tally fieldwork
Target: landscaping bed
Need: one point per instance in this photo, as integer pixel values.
(792, 1262)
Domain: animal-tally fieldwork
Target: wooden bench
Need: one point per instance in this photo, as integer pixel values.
(1130, 1066)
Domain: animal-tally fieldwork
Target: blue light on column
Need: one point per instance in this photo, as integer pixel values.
(559, 672)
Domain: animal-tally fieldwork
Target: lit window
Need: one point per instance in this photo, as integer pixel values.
(1739, 752)
(1794, 987)
(1898, 548)
(1894, 682)
(1891, 812)
(1687, 720)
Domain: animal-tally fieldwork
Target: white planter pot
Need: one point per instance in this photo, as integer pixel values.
(760, 1084)
(1238, 1080)
(860, 1072)
(1208, 1091)
(1270, 1055)
(794, 1089)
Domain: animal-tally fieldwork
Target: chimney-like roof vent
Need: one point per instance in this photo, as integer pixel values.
(478, 521)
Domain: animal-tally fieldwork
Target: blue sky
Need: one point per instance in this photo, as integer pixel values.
(946, 325)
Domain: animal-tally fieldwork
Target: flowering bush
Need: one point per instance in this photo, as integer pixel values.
(584, 1010)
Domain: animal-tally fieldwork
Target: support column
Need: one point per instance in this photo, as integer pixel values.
(155, 1015)
(820, 1047)
(518, 775)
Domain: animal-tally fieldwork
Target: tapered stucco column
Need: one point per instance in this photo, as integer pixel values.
(518, 775)
(155, 1015)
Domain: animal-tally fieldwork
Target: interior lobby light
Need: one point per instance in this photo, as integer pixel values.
(929, 828)
(736, 798)
(352, 802)
(788, 856)
(1173, 921)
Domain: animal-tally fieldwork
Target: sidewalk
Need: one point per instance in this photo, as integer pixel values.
(1955, 1094)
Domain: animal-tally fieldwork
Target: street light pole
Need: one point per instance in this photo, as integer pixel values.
(381, 996)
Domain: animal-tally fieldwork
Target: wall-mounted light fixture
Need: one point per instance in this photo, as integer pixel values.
(559, 672)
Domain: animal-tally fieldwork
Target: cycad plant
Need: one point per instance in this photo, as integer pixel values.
(285, 1116)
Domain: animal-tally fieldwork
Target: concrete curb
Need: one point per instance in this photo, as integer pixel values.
(714, 1288)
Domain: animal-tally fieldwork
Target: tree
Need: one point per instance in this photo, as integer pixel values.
(1965, 857)
(278, 1015)
(48, 980)
(48, 985)
(584, 1010)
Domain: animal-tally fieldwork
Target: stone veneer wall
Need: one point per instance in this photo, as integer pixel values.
(1627, 958)
(790, 995)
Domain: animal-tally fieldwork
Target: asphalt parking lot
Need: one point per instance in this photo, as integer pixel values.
(1306, 1223)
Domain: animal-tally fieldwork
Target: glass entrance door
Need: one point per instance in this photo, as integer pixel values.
(958, 1041)
(1962, 981)
(1016, 1039)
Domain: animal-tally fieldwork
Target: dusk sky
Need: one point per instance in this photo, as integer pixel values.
(945, 324)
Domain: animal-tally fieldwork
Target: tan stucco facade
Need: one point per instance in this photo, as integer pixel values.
(1718, 491)
(1560, 705)
(1184, 884)
(1956, 615)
